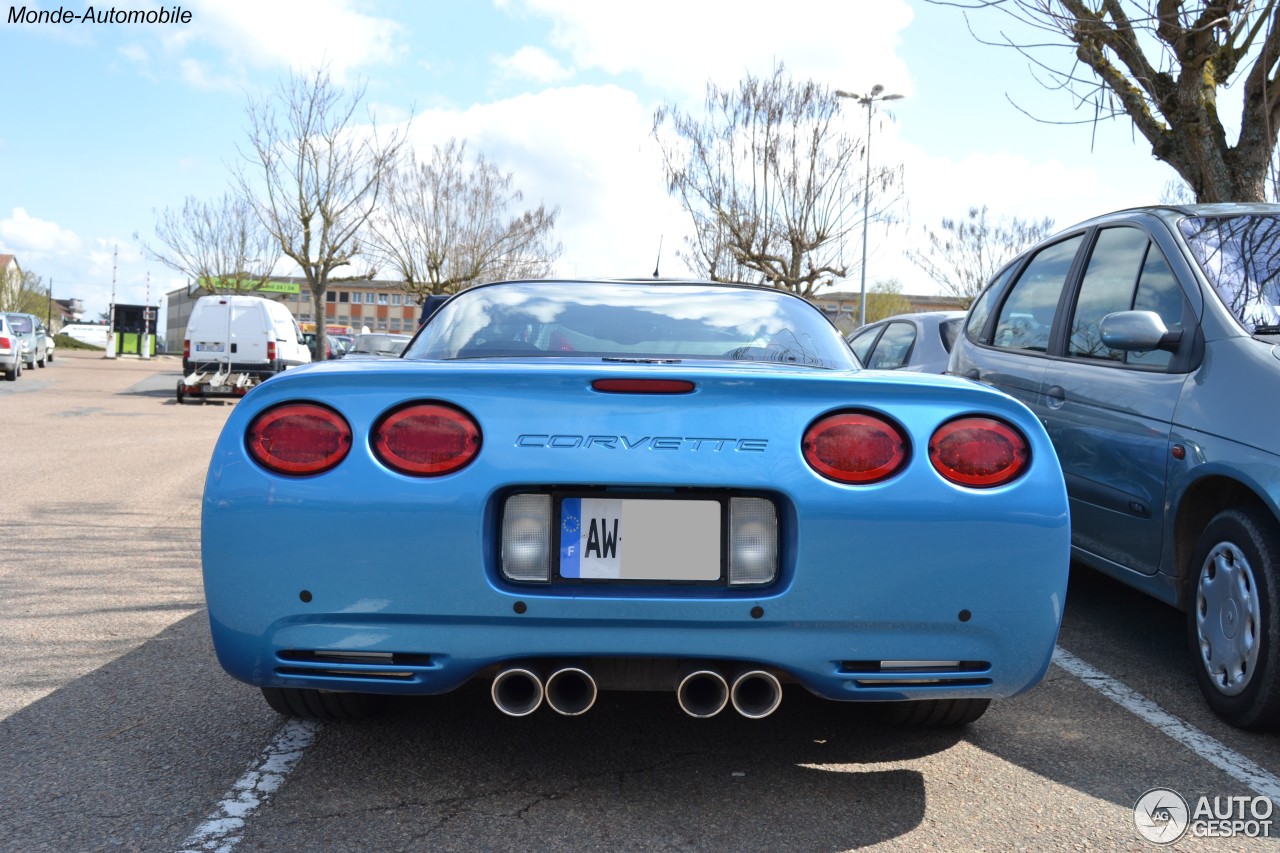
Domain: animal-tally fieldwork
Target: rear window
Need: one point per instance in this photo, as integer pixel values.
(631, 321)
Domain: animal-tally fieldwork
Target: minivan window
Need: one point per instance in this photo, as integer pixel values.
(1240, 256)
(981, 310)
(1026, 318)
(1108, 286)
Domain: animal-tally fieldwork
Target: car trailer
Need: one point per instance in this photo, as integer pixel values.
(205, 385)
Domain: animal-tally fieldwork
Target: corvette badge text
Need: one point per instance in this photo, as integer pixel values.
(648, 442)
(96, 15)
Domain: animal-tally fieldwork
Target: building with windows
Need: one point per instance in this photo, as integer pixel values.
(382, 306)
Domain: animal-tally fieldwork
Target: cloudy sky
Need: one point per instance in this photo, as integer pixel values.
(106, 124)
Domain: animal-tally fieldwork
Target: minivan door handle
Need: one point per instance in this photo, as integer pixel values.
(1055, 396)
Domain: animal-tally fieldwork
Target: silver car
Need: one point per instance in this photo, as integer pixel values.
(919, 342)
(1148, 343)
(10, 350)
(32, 338)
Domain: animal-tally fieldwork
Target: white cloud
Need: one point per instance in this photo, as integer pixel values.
(134, 53)
(586, 150)
(678, 45)
(300, 34)
(22, 235)
(533, 63)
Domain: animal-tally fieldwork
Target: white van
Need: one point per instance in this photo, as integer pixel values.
(242, 335)
(88, 333)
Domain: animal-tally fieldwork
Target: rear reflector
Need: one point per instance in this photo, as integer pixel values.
(298, 439)
(426, 439)
(978, 452)
(855, 447)
(643, 386)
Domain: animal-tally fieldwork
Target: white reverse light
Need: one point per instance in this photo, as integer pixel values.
(526, 538)
(753, 541)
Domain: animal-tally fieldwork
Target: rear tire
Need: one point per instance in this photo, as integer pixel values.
(327, 707)
(181, 394)
(1233, 620)
(932, 713)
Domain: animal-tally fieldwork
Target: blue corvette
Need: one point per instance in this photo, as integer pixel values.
(566, 487)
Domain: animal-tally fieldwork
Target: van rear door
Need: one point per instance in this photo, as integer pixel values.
(250, 330)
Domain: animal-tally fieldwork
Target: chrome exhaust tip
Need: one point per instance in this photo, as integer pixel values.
(703, 693)
(517, 692)
(756, 694)
(571, 691)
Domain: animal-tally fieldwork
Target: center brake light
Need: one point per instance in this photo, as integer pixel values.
(855, 447)
(426, 439)
(643, 386)
(298, 439)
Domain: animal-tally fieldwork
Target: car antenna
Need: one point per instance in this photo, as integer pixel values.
(657, 262)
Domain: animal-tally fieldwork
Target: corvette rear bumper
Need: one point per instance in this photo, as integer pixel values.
(865, 662)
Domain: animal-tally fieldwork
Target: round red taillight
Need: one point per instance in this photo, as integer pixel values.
(979, 452)
(855, 447)
(298, 438)
(426, 439)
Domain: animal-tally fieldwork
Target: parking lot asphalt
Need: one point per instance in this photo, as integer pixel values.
(119, 731)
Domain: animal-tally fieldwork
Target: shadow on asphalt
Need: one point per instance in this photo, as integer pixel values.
(138, 753)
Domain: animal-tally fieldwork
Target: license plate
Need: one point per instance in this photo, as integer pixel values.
(639, 539)
(208, 347)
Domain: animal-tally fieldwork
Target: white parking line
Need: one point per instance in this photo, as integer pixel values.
(1210, 749)
(223, 829)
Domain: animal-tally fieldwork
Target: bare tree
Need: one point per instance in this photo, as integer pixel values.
(769, 180)
(963, 255)
(315, 177)
(220, 245)
(1162, 63)
(23, 291)
(446, 225)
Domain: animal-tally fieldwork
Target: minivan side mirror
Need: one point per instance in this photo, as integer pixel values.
(1139, 331)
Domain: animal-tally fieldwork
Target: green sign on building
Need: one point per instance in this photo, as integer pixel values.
(288, 287)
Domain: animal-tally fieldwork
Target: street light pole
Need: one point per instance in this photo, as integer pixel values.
(867, 101)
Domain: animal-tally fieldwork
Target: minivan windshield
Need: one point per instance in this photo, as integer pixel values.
(1240, 256)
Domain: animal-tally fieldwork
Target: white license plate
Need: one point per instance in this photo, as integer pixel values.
(639, 539)
(208, 347)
